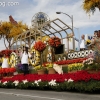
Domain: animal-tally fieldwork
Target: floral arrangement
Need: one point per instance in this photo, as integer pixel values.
(38, 67)
(54, 41)
(64, 62)
(88, 61)
(19, 68)
(48, 65)
(6, 52)
(91, 55)
(58, 77)
(88, 42)
(39, 46)
(75, 67)
(90, 64)
(67, 82)
(40, 70)
(7, 70)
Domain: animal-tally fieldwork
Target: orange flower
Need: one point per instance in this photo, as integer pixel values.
(39, 46)
(54, 41)
(7, 70)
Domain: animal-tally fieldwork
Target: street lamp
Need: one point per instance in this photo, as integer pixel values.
(71, 17)
(78, 40)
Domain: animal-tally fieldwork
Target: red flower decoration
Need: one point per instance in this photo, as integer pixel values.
(7, 70)
(54, 41)
(63, 62)
(5, 52)
(39, 46)
(76, 76)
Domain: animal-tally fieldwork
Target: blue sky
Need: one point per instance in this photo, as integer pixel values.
(26, 9)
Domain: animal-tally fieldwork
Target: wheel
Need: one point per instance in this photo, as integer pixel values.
(13, 59)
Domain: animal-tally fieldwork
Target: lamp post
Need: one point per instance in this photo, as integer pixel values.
(71, 17)
(79, 37)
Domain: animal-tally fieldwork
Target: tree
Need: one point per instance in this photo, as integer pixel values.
(8, 30)
(91, 5)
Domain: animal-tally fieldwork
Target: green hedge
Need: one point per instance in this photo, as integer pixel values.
(92, 86)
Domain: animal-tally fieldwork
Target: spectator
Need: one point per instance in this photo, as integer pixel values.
(95, 45)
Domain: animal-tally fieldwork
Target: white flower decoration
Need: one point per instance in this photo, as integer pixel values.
(25, 81)
(52, 83)
(84, 61)
(4, 83)
(65, 79)
(16, 82)
(37, 82)
(70, 80)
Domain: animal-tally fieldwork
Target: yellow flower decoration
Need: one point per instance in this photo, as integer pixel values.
(45, 38)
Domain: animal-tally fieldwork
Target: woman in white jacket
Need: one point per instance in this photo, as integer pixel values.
(24, 60)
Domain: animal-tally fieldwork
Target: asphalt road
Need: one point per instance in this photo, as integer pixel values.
(17, 94)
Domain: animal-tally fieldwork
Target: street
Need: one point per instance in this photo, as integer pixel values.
(17, 94)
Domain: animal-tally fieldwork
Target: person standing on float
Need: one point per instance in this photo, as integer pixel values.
(25, 60)
(82, 43)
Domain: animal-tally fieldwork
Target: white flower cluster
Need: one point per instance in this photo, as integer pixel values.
(16, 82)
(4, 83)
(69, 80)
(25, 81)
(37, 82)
(52, 82)
(88, 61)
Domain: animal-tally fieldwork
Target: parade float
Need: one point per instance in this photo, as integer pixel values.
(62, 69)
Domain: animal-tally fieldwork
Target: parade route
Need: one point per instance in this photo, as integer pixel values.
(14, 94)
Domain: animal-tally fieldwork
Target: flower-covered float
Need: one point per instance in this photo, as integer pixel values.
(74, 70)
